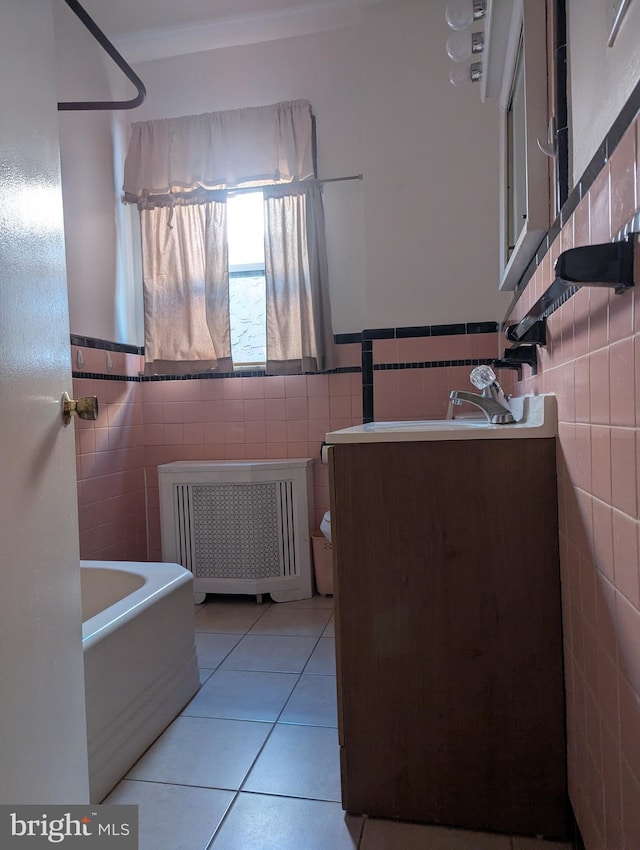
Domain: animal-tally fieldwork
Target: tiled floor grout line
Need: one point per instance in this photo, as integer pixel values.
(230, 806)
(227, 812)
(243, 634)
(236, 793)
(274, 723)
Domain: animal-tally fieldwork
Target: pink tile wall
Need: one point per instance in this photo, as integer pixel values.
(592, 363)
(145, 424)
(142, 425)
(244, 418)
(111, 464)
(407, 394)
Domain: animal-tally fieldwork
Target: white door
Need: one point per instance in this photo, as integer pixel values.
(43, 752)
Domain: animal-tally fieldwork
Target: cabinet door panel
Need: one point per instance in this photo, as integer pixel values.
(448, 633)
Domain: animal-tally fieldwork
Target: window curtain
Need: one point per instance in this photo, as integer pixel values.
(218, 150)
(186, 287)
(299, 332)
(177, 171)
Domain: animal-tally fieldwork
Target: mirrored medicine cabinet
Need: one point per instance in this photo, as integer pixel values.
(516, 73)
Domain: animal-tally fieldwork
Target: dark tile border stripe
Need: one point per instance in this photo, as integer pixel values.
(367, 388)
(379, 333)
(214, 376)
(99, 376)
(199, 376)
(433, 364)
(482, 327)
(455, 329)
(366, 339)
(448, 330)
(339, 339)
(416, 331)
(367, 380)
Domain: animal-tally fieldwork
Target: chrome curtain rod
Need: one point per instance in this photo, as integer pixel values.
(242, 189)
(126, 69)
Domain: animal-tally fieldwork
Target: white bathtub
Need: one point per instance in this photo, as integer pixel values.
(140, 662)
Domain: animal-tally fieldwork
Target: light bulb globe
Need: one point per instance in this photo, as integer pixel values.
(459, 14)
(459, 46)
(459, 76)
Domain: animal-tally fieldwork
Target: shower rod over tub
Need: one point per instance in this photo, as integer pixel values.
(127, 70)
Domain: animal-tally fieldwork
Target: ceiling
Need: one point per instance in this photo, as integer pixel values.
(152, 29)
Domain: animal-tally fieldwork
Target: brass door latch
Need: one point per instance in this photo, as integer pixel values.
(85, 408)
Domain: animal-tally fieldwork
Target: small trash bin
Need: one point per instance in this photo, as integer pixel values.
(322, 563)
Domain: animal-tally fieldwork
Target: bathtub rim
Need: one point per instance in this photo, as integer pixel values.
(159, 577)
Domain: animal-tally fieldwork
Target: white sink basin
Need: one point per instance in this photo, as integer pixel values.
(536, 417)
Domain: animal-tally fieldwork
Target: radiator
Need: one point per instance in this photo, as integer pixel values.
(240, 526)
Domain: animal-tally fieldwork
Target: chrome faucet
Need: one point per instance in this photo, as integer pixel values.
(492, 402)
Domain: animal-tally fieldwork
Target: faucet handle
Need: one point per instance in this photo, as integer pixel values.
(482, 377)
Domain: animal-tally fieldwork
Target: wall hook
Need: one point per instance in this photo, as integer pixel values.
(549, 148)
(127, 70)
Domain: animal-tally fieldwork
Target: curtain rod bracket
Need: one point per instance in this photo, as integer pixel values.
(129, 73)
(341, 179)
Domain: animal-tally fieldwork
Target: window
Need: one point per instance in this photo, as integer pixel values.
(247, 288)
(233, 277)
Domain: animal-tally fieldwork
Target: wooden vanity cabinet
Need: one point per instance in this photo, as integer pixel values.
(448, 633)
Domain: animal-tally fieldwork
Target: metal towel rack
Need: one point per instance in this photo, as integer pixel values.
(130, 74)
(606, 265)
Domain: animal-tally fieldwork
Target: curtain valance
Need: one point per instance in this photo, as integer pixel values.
(219, 150)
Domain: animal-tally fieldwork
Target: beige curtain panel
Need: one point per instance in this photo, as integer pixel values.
(186, 289)
(217, 150)
(299, 331)
(178, 171)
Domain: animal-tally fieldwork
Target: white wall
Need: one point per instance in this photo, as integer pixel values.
(430, 152)
(415, 243)
(601, 77)
(104, 301)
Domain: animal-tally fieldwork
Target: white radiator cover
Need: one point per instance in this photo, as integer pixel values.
(240, 526)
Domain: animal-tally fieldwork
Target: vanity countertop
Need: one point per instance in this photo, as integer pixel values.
(536, 417)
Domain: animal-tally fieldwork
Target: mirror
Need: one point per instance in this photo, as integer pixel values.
(517, 65)
(516, 160)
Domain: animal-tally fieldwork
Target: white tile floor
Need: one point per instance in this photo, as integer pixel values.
(252, 762)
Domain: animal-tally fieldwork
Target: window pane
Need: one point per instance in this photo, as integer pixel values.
(247, 306)
(245, 229)
(247, 292)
